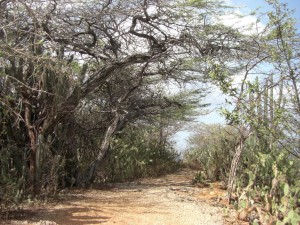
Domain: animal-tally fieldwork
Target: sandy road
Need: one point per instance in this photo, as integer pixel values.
(167, 200)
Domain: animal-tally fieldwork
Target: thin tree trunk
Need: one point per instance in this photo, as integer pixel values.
(235, 162)
(234, 165)
(115, 126)
(32, 152)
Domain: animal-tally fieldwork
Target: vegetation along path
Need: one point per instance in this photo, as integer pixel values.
(170, 199)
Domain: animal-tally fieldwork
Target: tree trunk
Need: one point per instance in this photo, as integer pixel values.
(111, 130)
(32, 152)
(235, 162)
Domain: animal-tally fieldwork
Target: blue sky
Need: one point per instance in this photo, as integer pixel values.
(251, 5)
(216, 98)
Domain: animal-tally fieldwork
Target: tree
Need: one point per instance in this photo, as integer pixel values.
(265, 109)
(62, 59)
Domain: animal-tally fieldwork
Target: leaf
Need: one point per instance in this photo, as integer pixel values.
(286, 189)
(292, 218)
(243, 204)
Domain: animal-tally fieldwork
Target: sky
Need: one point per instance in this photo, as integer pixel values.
(216, 98)
(252, 5)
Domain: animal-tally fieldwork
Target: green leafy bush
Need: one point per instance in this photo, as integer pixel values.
(272, 189)
(136, 153)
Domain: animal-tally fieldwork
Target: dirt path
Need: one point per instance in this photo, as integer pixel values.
(167, 200)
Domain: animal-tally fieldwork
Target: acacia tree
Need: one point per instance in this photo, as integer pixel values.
(57, 57)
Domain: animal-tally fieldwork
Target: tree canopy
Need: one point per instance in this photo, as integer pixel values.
(64, 63)
(76, 74)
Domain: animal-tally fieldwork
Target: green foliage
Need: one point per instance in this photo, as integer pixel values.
(220, 76)
(267, 178)
(136, 153)
(207, 4)
(200, 178)
(271, 185)
(212, 150)
(13, 176)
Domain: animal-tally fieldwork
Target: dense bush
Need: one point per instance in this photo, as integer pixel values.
(137, 152)
(211, 151)
(266, 183)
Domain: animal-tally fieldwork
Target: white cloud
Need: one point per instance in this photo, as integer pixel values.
(242, 18)
(247, 24)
